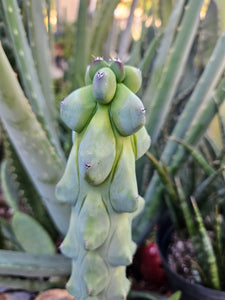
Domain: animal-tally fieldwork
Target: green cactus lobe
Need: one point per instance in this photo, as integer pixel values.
(104, 85)
(76, 289)
(97, 64)
(127, 110)
(67, 188)
(95, 273)
(97, 149)
(122, 248)
(91, 218)
(77, 108)
(70, 245)
(132, 79)
(117, 66)
(123, 190)
(119, 285)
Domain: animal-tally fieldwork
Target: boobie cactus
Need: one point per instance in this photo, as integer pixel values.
(99, 181)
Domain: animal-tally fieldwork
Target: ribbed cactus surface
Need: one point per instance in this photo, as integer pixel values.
(99, 180)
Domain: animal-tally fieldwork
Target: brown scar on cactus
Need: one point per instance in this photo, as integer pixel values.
(108, 119)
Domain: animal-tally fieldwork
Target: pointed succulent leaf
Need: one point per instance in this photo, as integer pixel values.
(127, 110)
(97, 64)
(31, 235)
(77, 108)
(133, 78)
(104, 85)
(118, 68)
(97, 148)
(67, 188)
(91, 218)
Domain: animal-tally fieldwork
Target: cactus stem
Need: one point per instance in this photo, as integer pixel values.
(100, 229)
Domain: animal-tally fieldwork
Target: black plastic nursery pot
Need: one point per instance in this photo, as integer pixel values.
(190, 291)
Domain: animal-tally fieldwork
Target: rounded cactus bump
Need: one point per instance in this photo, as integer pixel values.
(99, 182)
(132, 79)
(104, 85)
(118, 68)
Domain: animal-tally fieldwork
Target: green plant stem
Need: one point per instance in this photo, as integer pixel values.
(32, 265)
(30, 284)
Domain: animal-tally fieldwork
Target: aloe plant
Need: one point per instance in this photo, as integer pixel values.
(99, 180)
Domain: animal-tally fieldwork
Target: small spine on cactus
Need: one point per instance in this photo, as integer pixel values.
(100, 182)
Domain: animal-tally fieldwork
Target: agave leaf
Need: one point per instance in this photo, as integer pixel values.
(197, 155)
(8, 237)
(199, 124)
(209, 32)
(126, 34)
(31, 235)
(8, 187)
(38, 39)
(27, 69)
(164, 176)
(36, 153)
(163, 51)
(211, 267)
(201, 96)
(35, 285)
(20, 263)
(202, 188)
(148, 56)
(185, 208)
(146, 220)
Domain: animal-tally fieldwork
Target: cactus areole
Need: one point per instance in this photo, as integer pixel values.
(99, 181)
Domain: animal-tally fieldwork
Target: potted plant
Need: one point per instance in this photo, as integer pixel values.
(40, 150)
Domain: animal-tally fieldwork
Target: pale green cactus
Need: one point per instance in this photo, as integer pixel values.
(99, 180)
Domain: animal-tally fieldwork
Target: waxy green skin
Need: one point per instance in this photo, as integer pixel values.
(100, 183)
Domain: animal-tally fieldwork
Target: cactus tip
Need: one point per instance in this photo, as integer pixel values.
(85, 244)
(143, 110)
(87, 165)
(100, 75)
